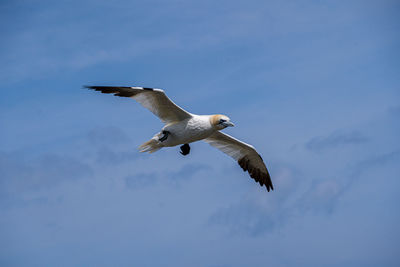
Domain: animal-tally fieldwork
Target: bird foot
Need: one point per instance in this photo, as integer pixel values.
(185, 149)
(164, 137)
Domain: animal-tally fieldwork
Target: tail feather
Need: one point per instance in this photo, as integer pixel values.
(150, 146)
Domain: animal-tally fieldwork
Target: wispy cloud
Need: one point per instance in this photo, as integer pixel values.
(378, 160)
(112, 145)
(335, 139)
(141, 180)
(171, 178)
(108, 135)
(186, 172)
(257, 213)
(20, 178)
(244, 218)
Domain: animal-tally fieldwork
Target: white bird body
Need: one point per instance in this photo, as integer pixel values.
(183, 128)
(190, 130)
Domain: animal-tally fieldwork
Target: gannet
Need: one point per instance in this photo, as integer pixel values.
(183, 128)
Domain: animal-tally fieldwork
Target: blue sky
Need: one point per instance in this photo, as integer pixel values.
(313, 85)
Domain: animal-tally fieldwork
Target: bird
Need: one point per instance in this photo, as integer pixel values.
(183, 128)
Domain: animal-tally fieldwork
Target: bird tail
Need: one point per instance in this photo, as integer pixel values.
(151, 146)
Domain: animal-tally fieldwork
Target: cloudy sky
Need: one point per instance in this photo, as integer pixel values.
(313, 85)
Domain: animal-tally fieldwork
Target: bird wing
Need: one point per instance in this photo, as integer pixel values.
(246, 156)
(154, 100)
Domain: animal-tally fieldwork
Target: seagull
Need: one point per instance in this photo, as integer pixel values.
(183, 128)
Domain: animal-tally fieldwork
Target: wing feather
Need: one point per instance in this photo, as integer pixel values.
(154, 100)
(245, 154)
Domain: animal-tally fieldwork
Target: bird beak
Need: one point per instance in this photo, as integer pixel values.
(228, 124)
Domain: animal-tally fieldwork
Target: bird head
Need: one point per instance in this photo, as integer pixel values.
(220, 122)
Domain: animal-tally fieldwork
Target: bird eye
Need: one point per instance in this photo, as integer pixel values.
(222, 120)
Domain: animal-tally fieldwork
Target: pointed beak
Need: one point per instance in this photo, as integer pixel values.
(228, 124)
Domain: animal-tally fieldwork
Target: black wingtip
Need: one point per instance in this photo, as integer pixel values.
(269, 187)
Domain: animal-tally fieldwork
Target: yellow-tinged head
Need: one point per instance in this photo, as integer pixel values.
(220, 122)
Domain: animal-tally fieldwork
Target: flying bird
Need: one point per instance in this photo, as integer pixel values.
(183, 128)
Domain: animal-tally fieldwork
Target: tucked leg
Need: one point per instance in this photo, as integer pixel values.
(164, 137)
(185, 149)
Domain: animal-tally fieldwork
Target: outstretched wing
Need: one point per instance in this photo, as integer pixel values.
(246, 156)
(154, 100)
